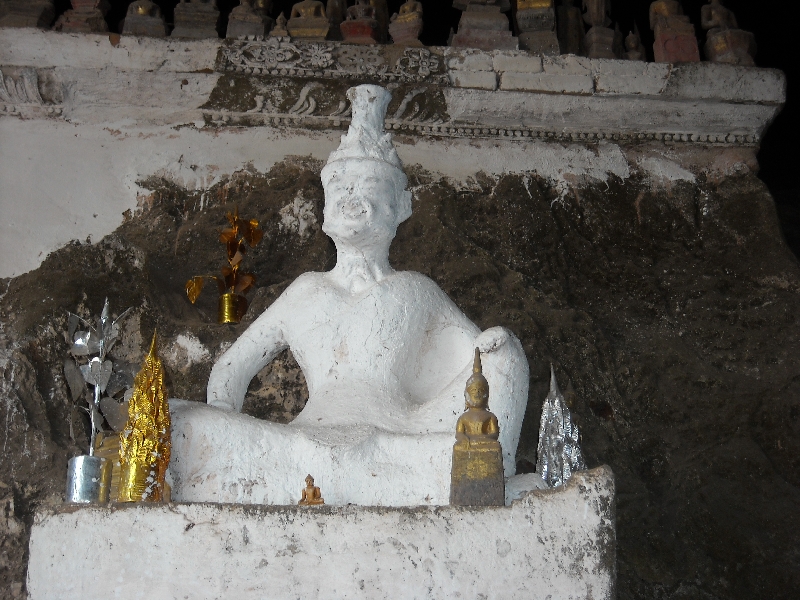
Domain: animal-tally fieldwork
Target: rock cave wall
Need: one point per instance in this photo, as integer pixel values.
(649, 271)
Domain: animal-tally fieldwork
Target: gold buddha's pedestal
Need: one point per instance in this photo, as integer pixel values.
(477, 474)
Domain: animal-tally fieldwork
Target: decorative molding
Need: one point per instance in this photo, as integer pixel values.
(417, 112)
(280, 56)
(457, 130)
(19, 95)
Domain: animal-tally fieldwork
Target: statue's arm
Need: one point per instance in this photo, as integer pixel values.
(492, 428)
(256, 347)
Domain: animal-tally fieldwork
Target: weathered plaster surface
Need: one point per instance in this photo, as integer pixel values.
(63, 182)
(117, 111)
(550, 544)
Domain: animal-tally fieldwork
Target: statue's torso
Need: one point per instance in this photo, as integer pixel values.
(387, 349)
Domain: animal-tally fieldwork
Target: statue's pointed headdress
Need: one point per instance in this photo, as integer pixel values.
(477, 386)
(366, 140)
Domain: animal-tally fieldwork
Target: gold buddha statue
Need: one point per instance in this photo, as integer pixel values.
(308, 9)
(406, 24)
(667, 15)
(725, 42)
(308, 21)
(311, 495)
(477, 473)
(409, 9)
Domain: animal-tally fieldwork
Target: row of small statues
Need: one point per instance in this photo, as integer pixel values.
(549, 30)
(542, 27)
(366, 21)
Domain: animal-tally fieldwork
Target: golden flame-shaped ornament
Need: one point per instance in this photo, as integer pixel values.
(145, 443)
(233, 284)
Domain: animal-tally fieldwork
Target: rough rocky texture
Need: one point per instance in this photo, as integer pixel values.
(670, 314)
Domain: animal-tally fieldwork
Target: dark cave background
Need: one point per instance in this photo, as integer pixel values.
(773, 36)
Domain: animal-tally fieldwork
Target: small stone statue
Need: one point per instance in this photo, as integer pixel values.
(86, 16)
(247, 20)
(599, 40)
(536, 22)
(144, 18)
(675, 39)
(196, 20)
(361, 26)
(308, 21)
(311, 495)
(725, 42)
(406, 24)
(27, 13)
(280, 27)
(633, 45)
(477, 474)
(483, 25)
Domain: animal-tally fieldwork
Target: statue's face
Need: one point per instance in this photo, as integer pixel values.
(359, 199)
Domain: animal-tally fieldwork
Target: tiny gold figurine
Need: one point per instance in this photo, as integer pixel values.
(145, 444)
(232, 285)
(477, 473)
(311, 495)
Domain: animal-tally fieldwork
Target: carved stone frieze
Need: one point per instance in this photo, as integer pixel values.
(250, 100)
(20, 95)
(280, 56)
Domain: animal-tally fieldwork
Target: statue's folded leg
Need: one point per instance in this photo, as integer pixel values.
(506, 369)
(223, 456)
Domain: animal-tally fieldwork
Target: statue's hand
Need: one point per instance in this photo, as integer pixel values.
(492, 339)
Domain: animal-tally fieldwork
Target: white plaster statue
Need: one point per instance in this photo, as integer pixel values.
(386, 356)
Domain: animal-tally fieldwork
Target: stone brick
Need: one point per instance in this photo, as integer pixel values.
(519, 63)
(630, 77)
(567, 65)
(484, 80)
(471, 61)
(542, 82)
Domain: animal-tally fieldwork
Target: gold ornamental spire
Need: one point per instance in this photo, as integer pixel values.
(144, 448)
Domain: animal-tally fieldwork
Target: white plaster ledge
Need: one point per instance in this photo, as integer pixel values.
(551, 544)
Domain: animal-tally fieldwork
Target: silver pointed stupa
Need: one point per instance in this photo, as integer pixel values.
(559, 453)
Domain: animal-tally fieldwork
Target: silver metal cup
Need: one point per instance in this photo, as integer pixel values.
(88, 480)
